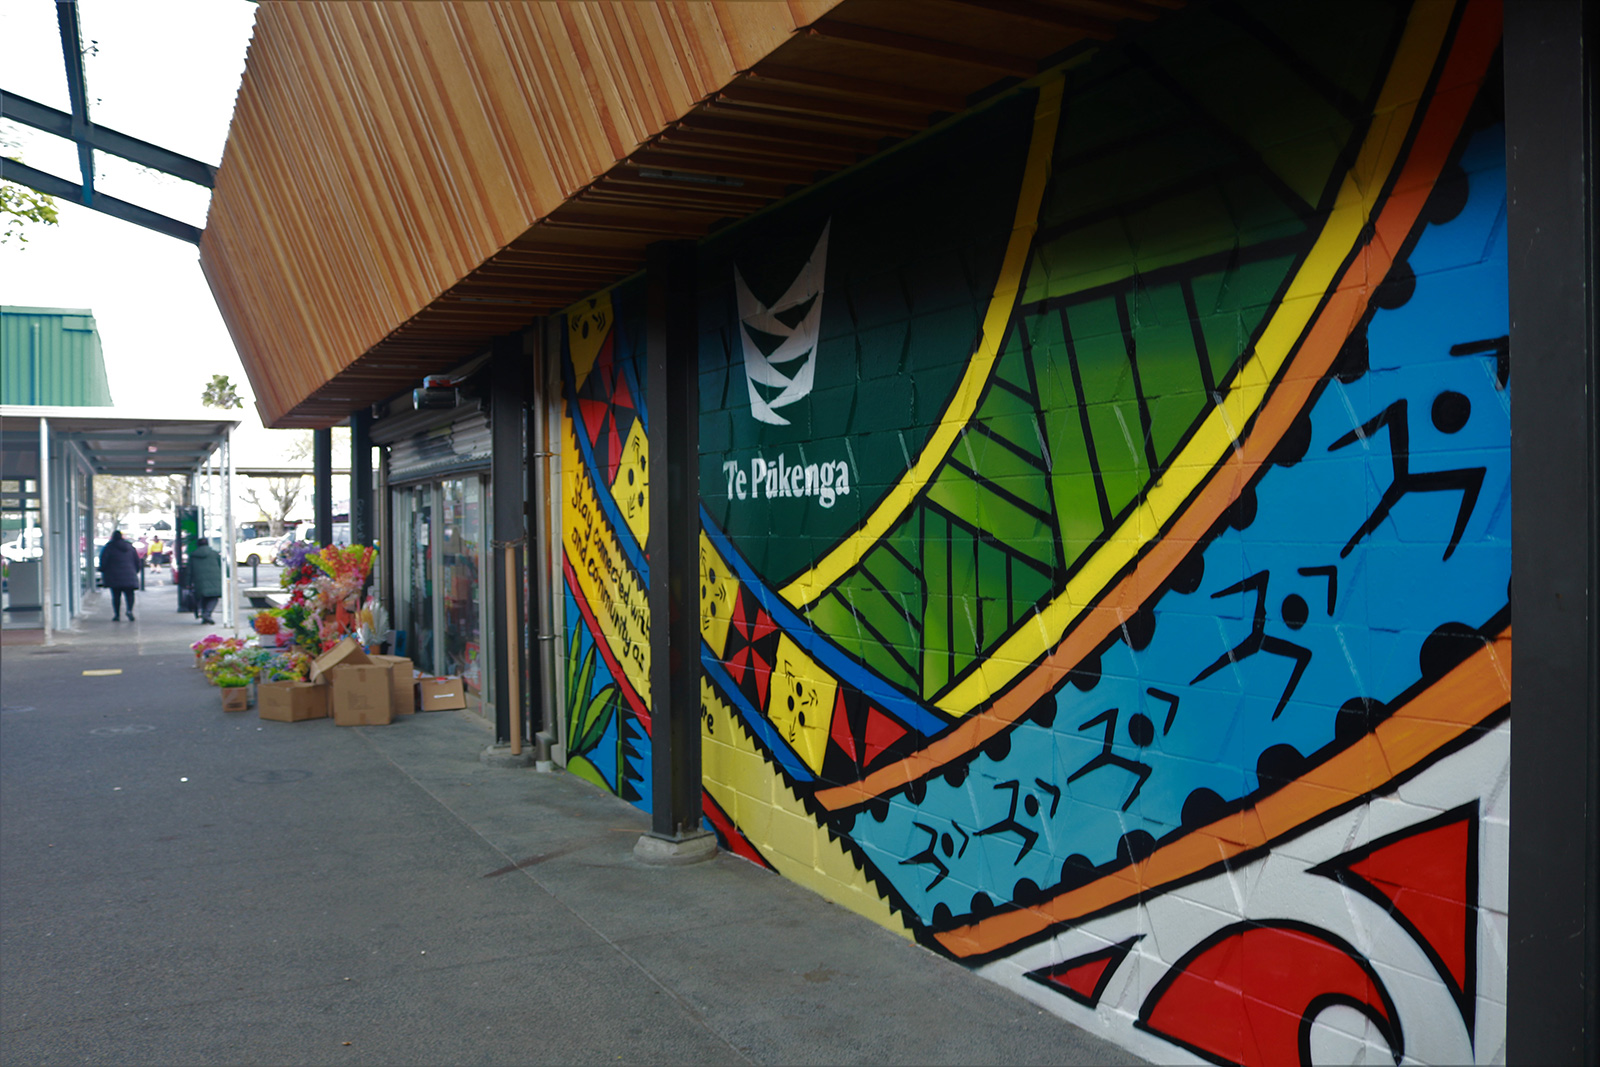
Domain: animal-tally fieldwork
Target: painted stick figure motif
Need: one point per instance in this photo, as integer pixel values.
(1171, 700)
(1010, 824)
(1497, 348)
(1141, 731)
(1294, 616)
(1450, 412)
(930, 854)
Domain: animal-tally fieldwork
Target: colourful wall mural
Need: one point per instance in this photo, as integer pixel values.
(1106, 537)
(605, 485)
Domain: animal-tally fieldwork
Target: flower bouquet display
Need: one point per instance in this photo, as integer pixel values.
(270, 630)
(232, 671)
(211, 645)
(327, 587)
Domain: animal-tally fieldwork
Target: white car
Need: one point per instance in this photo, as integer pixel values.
(256, 550)
(28, 544)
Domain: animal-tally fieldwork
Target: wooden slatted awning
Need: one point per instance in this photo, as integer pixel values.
(404, 182)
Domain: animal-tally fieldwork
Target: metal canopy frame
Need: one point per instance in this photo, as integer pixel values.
(81, 130)
(111, 441)
(115, 442)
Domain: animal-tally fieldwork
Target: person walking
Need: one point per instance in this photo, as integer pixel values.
(119, 572)
(205, 569)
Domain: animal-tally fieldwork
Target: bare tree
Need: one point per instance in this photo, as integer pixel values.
(114, 499)
(119, 498)
(281, 495)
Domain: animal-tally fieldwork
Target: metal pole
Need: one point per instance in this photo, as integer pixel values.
(1553, 957)
(230, 588)
(514, 663)
(361, 517)
(673, 377)
(509, 458)
(322, 490)
(552, 603)
(46, 586)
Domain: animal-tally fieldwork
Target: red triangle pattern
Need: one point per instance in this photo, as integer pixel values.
(1425, 878)
(752, 644)
(881, 733)
(621, 395)
(841, 732)
(594, 416)
(1082, 978)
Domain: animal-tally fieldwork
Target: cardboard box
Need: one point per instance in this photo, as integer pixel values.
(440, 694)
(235, 698)
(291, 701)
(345, 653)
(401, 699)
(359, 694)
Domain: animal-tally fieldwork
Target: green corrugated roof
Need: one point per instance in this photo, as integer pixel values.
(52, 356)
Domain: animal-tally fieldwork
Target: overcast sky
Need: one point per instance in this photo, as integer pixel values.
(165, 71)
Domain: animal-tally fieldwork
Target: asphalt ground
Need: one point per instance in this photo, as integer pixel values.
(182, 885)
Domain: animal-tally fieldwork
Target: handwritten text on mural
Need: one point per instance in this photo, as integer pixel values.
(607, 581)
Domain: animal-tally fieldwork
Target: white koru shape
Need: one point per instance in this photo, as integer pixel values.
(799, 343)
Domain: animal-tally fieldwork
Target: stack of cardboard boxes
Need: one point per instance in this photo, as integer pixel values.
(358, 689)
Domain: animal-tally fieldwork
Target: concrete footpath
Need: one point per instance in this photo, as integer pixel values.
(181, 885)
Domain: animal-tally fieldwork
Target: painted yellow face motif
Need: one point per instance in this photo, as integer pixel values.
(718, 587)
(632, 487)
(800, 702)
(587, 325)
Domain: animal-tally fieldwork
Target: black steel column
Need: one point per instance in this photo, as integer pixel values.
(361, 514)
(507, 475)
(385, 531)
(322, 484)
(672, 386)
(1555, 762)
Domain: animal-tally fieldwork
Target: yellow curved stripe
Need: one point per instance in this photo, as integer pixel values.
(1358, 198)
(771, 817)
(832, 567)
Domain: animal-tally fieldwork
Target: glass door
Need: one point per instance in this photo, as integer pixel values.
(414, 573)
(463, 568)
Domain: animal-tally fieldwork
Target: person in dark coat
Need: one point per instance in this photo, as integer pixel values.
(205, 570)
(119, 572)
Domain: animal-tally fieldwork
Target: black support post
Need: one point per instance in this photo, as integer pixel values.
(672, 386)
(361, 511)
(506, 409)
(322, 483)
(1555, 746)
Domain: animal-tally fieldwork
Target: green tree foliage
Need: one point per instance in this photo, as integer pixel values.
(20, 206)
(221, 393)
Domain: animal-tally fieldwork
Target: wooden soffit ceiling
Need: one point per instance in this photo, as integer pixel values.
(404, 182)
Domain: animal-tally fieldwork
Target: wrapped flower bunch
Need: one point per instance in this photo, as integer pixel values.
(229, 669)
(215, 642)
(327, 586)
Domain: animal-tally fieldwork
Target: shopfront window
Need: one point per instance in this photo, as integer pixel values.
(414, 573)
(462, 558)
(83, 529)
(439, 573)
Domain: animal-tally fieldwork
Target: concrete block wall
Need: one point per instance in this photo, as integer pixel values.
(1106, 537)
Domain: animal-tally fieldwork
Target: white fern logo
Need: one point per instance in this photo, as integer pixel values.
(784, 333)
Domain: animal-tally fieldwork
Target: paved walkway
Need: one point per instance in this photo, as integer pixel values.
(180, 885)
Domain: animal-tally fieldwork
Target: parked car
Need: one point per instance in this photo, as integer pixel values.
(257, 550)
(28, 544)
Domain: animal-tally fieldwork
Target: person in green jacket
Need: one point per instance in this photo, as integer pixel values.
(205, 573)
